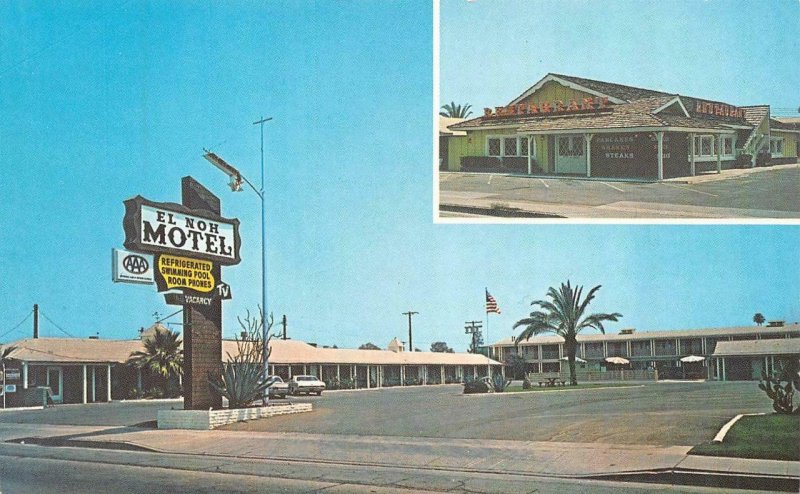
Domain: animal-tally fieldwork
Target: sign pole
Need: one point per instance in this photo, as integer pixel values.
(264, 328)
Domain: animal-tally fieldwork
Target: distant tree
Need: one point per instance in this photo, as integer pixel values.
(162, 356)
(369, 346)
(441, 347)
(758, 318)
(563, 315)
(515, 366)
(453, 110)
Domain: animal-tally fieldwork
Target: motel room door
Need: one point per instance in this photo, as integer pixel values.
(55, 381)
(570, 157)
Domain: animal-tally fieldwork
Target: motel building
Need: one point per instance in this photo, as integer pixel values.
(723, 354)
(571, 126)
(89, 370)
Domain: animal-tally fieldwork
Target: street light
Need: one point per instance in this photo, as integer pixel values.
(236, 185)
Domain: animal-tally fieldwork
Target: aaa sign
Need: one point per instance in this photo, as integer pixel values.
(167, 228)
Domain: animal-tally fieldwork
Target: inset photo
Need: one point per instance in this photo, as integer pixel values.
(623, 112)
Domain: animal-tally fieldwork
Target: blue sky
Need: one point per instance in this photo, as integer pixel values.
(102, 102)
(739, 51)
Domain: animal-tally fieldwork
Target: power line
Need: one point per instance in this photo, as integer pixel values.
(56, 325)
(18, 325)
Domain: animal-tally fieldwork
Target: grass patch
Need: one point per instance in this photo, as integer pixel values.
(536, 387)
(769, 437)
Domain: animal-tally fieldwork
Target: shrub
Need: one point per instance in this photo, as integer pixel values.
(743, 161)
(780, 387)
(481, 163)
(526, 383)
(500, 383)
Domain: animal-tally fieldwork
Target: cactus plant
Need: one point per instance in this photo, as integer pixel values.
(781, 385)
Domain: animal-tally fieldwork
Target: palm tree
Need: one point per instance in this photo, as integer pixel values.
(758, 318)
(162, 355)
(453, 110)
(563, 315)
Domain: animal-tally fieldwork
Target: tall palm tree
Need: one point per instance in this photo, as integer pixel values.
(455, 111)
(162, 355)
(758, 318)
(563, 315)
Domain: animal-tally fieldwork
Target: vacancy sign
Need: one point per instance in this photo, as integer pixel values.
(131, 267)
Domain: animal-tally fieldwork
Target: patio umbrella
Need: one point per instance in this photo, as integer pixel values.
(693, 358)
(577, 359)
(617, 360)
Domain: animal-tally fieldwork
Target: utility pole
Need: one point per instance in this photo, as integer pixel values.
(474, 328)
(35, 321)
(283, 323)
(410, 341)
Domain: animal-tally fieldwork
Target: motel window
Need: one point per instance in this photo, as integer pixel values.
(549, 352)
(530, 352)
(594, 350)
(617, 349)
(551, 367)
(776, 146)
(494, 146)
(691, 346)
(665, 347)
(640, 348)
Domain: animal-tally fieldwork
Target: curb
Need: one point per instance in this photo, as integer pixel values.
(727, 427)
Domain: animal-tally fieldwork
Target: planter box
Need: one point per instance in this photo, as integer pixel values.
(208, 419)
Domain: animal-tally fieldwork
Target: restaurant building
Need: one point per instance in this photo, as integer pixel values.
(572, 126)
(727, 353)
(88, 370)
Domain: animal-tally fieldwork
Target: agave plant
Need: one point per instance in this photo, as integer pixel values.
(242, 380)
(780, 387)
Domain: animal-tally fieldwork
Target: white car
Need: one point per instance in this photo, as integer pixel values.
(279, 389)
(306, 384)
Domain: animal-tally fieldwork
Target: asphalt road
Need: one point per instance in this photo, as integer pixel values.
(116, 413)
(659, 414)
(771, 190)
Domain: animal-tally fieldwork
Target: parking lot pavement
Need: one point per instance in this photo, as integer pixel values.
(116, 413)
(770, 193)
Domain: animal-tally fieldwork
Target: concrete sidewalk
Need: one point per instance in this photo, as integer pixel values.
(543, 459)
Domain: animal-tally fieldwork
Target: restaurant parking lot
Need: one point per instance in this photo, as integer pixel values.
(760, 193)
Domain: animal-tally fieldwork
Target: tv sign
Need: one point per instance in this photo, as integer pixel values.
(131, 267)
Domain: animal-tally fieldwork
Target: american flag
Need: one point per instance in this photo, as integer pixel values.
(491, 304)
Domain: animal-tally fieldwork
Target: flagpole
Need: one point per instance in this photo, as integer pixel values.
(488, 348)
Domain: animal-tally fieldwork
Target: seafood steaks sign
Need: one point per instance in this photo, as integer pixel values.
(169, 228)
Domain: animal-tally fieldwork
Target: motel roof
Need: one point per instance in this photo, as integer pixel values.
(649, 335)
(783, 346)
(74, 350)
(287, 352)
(80, 351)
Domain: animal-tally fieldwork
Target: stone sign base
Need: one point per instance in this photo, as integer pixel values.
(208, 419)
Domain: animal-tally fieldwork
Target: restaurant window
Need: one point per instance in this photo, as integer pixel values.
(510, 145)
(570, 146)
(704, 145)
(727, 146)
(494, 146)
(776, 146)
(523, 146)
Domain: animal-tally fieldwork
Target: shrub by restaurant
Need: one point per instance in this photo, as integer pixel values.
(571, 126)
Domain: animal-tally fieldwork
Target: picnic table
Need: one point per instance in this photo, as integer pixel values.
(550, 382)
